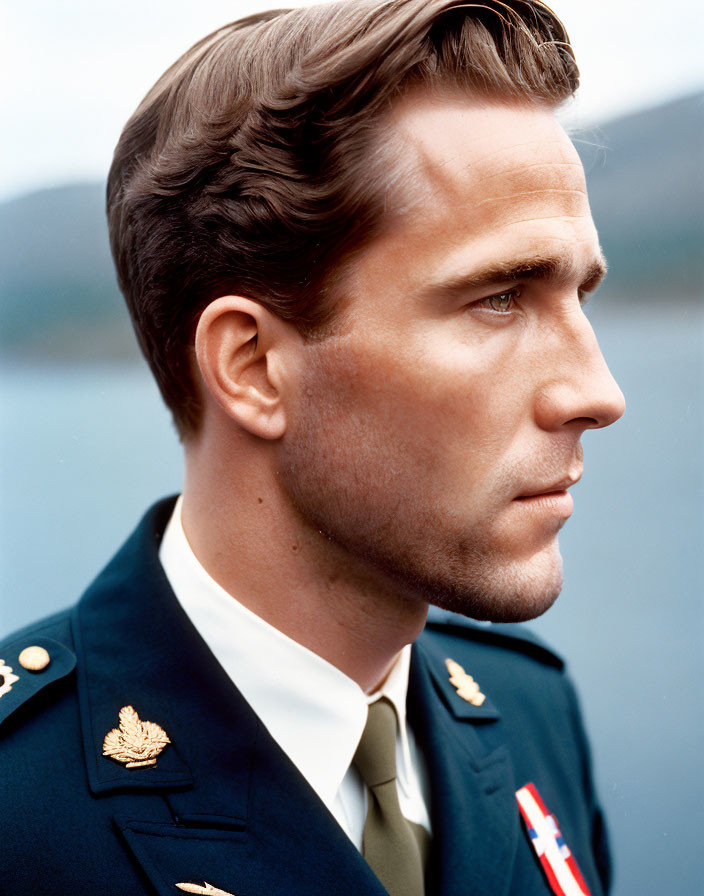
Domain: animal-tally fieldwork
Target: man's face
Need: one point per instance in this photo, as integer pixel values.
(434, 435)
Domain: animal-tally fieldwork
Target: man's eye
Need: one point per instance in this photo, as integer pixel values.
(502, 302)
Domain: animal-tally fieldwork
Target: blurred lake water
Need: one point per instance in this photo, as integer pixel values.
(86, 449)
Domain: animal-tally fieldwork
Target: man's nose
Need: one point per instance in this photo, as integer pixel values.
(578, 388)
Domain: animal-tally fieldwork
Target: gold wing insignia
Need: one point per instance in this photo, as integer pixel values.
(135, 743)
(206, 889)
(466, 686)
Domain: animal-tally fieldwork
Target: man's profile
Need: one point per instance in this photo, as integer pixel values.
(355, 244)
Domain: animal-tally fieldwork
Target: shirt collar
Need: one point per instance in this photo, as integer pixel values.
(313, 710)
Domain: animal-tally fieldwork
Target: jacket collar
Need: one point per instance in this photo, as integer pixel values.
(472, 785)
(130, 639)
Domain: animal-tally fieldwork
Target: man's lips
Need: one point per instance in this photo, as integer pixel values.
(555, 488)
(551, 499)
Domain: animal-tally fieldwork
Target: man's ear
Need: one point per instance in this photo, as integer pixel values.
(242, 350)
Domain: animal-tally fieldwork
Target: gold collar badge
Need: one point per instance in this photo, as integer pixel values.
(466, 686)
(7, 678)
(135, 743)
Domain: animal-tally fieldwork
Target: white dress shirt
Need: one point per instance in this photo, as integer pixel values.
(312, 709)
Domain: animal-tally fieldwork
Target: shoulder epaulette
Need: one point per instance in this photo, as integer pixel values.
(508, 635)
(30, 660)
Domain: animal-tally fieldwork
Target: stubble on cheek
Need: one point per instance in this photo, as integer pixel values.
(341, 461)
(364, 480)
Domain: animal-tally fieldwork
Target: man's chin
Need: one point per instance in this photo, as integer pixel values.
(506, 595)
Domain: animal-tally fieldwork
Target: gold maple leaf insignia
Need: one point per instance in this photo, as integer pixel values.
(135, 743)
(466, 686)
(7, 678)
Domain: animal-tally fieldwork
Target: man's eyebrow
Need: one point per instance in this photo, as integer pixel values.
(553, 268)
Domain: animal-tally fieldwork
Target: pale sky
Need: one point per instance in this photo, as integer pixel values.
(72, 72)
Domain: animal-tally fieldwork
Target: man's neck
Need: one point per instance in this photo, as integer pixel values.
(297, 579)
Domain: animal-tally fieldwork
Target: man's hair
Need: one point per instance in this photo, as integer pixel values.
(249, 168)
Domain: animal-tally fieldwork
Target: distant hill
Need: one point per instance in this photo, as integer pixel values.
(59, 298)
(58, 293)
(645, 174)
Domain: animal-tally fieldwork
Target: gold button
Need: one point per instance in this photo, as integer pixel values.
(34, 659)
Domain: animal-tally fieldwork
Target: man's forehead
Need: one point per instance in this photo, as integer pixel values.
(451, 146)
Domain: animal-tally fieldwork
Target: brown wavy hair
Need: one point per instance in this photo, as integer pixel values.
(250, 167)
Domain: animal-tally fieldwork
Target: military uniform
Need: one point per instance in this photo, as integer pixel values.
(209, 798)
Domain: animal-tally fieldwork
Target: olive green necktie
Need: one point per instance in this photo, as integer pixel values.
(394, 847)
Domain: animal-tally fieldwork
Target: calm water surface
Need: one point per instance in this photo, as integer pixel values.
(85, 451)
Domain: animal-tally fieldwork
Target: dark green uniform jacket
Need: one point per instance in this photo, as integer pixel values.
(223, 804)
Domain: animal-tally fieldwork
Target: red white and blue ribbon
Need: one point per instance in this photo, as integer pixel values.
(558, 862)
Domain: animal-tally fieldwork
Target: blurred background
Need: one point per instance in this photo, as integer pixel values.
(85, 445)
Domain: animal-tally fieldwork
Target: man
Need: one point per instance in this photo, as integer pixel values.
(355, 244)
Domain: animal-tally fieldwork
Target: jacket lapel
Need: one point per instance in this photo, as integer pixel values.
(288, 842)
(473, 810)
(232, 809)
